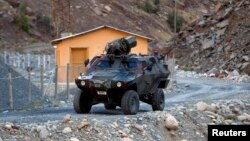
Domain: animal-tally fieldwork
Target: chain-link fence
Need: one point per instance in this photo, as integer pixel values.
(36, 86)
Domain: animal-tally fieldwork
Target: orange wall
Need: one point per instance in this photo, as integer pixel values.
(95, 42)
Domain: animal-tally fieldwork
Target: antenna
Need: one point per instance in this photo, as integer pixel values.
(61, 15)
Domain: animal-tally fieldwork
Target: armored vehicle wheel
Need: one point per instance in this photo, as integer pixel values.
(109, 106)
(158, 100)
(130, 103)
(82, 102)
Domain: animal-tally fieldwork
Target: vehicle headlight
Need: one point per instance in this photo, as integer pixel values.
(83, 83)
(118, 84)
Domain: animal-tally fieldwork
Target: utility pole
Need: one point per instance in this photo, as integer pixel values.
(175, 17)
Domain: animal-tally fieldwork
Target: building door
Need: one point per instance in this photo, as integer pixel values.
(78, 55)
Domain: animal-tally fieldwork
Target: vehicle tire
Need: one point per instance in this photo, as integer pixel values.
(110, 106)
(130, 102)
(158, 100)
(82, 102)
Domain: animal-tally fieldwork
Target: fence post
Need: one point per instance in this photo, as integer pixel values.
(67, 81)
(56, 80)
(29, 69)
(10, 91)
(42, 80)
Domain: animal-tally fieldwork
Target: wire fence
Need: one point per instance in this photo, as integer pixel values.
(36, 87)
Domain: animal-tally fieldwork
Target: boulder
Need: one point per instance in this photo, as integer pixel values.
(202, 106)
(138, 127)
(171, 123)
(67, 130)
(42, 131)
(245, 58)
(83, 124)
(67, 118)
(214, 71)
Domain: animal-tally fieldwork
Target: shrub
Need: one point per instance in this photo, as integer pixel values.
(22, 20)
(157, 2)
(149, 7)
(179, 21)
(44, 20)
(24, 23)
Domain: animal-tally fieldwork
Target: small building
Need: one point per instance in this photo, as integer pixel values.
(76, 48)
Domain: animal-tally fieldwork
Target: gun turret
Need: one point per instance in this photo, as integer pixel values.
(121, 46)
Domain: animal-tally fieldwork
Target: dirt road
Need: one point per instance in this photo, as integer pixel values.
(186, 91)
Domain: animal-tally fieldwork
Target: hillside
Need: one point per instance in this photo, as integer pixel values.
(220, 41)
(28, 23)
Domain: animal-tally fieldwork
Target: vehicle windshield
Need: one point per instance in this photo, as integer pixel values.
(116, 64)
(104, 64)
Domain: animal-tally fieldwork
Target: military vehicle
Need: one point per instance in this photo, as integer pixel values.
(119, 78)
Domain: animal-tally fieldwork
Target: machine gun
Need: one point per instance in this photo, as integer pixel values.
(121, 46)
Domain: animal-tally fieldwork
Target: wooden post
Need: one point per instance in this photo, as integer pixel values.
(56, 80)
(29, 69)
(10, 91)
(67, 81)
(42, 80)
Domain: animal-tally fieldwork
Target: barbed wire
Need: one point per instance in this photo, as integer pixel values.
(14, 77)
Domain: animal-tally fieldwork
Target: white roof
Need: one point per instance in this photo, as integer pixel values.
(100, 27)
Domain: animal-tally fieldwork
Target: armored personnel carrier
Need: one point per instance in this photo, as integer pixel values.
(118, 78)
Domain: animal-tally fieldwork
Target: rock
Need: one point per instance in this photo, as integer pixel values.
(213, 71)
(218, 7)
(108, 8)
(8, 126)
(230, 116)
(67, 130)
(171, 123)
(123, 134)
(213, 108)
(242, 118)
(1, 139)
(67, 118)
(97, 11)
(226, 13)
(42, 131)
(29, 11)
(138, 127)
(207, 43)
(212, 114)
(245, 58)
(114, 125)
(202, 106)
(83, 124)
(202, 23)
(234, 75)
(74, 139)
(220, 33)
(78, 7)
(126, 139)
(223, 24)
(228, 121)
